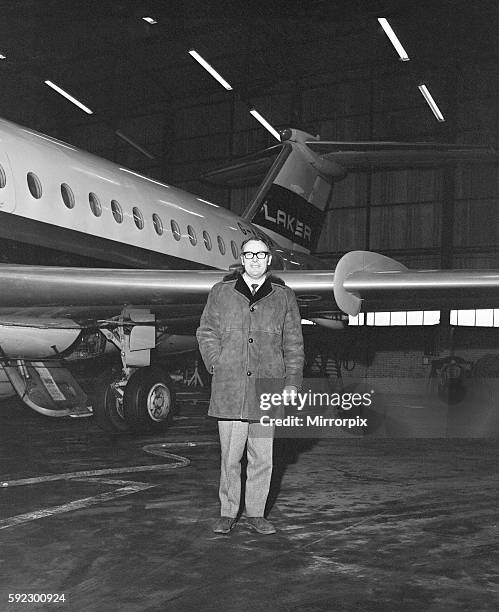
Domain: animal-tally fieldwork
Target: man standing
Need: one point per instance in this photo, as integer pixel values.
(250, 330)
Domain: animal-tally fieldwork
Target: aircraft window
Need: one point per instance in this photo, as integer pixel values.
(207, 240)
(95, 205)
(235, 250)
(138, 218)
(158, 224)
(3, 178)
(67, 196)
(117, 211)
(242, 228)
(175, 230)
(192, 235)
(34, 185)
(221, 244)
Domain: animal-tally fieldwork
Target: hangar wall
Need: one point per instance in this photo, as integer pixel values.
(400, 212)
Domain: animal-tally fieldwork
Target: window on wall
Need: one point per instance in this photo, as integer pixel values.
(483, 317)
(117, 211)
(95, 205)
(387, 319)
(67, 196)
(486, 317)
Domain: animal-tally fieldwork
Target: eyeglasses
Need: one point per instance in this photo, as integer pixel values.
(259, 255)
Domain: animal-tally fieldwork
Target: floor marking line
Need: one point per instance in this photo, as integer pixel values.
(78, 504)
(182, 462)
(110, 481)
(126, 487)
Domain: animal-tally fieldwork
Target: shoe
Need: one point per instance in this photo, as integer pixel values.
(261, 525)
(224, 524)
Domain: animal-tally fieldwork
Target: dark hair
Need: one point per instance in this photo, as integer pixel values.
(261, 238)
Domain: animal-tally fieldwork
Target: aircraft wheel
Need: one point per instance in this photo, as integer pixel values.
(107, 408)
(149, 401)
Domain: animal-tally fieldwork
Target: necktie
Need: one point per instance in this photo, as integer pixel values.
(254, 287)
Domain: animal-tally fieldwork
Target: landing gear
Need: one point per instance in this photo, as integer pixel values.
(107, 405)
(149, 401)
(140, 399)
(144, 403)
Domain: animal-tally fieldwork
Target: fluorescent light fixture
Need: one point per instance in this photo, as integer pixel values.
(69, 97)
(2, 56)
(265, 124)
(150, 20)
(133, 144)
(431, 102)
(393, 39)
(210, 69)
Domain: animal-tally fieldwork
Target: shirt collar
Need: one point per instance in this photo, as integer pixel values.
(249, 281)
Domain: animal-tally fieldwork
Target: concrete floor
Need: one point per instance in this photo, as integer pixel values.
(364, 523)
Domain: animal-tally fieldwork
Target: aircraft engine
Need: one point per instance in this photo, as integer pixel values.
(25, 341)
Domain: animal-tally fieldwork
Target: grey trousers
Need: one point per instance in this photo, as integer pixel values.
(233, 437)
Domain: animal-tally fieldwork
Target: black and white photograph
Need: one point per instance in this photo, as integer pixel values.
(249, 305)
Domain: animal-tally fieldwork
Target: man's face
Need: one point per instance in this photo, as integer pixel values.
(255, 268)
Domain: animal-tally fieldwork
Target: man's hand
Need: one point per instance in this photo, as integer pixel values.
(289, 395)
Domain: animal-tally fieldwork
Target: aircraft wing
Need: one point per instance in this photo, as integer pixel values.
(90, 295)
(362, 281)
(370, 282)
(371, 155)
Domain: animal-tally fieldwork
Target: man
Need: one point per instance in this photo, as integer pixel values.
(250, 330)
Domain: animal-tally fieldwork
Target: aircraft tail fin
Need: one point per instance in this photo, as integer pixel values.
(291, 201)
(299, 175)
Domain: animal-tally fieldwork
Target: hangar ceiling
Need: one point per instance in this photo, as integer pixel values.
(103, 52)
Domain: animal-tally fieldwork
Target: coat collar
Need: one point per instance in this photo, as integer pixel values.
(242, 287)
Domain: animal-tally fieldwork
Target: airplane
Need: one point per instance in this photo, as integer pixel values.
(99, 260)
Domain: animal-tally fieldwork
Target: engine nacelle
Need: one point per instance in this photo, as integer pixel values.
(29, 340)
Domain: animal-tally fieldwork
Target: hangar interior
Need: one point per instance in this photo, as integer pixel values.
(325, 67)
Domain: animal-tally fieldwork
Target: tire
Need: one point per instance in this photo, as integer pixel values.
(108, 411)
(149, 401)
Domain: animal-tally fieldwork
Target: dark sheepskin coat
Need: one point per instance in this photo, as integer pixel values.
(246, 338)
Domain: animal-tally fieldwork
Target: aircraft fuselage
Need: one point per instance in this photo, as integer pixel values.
(72, 208)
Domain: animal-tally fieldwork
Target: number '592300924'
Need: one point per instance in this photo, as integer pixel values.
(37, 597)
